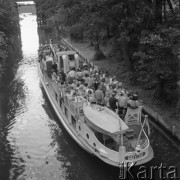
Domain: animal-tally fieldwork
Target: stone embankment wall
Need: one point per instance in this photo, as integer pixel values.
(3, 52)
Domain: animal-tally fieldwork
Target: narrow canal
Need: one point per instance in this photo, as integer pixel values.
(33, 144)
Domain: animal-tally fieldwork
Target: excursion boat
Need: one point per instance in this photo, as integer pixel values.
(97, 129)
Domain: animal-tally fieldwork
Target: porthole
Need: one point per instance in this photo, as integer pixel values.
(79, 128)
(94, 144)
(87, 135)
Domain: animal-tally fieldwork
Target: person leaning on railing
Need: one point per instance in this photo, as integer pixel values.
(122, 104)
(133, 102)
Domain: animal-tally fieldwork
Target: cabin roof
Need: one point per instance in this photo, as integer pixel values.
(60, 53)
(104, 121)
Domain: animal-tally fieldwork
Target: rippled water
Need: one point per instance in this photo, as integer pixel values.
(33, 144)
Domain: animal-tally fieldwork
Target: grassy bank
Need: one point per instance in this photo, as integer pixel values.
(169, 113)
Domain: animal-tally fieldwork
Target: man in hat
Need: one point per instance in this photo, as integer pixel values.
(113, 102)
(54, 67)
(133, 102)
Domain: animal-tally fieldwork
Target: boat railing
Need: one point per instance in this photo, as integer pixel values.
(144, 142)
(90, 137)
(143, 139)
(133, 116)
(104, 151)
(75, 104)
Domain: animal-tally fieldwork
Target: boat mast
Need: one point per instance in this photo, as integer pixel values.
(121, 153)
(121, 146)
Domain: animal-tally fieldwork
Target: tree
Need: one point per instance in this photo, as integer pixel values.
(136, 27)
(9, 18)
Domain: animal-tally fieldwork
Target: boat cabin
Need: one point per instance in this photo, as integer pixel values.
(67, 60)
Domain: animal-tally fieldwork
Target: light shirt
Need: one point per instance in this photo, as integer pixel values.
(122, 101)
(71, 73)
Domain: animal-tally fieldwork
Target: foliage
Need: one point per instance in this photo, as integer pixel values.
(140, 29)
(9, 18)
(3, 46)
(155, 61)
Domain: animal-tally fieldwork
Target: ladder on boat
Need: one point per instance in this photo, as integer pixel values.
(133, 116)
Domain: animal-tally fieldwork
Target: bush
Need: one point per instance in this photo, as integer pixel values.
(155, 63)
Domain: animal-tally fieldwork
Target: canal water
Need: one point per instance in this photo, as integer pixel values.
(33, 143)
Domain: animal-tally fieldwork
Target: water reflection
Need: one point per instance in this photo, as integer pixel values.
(28, 30)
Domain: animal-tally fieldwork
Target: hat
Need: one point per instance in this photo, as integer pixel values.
(122, 93)
(120, 84)
(135, 97)
(103, 80)
(114, 92)
(84, 64)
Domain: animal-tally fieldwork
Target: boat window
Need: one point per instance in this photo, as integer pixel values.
(71, 56)
(56, 96)
(61, 62)
(60, 102)
(73, 120)
(94, 144)
(79, 128)
(87, 135)
(66, 111)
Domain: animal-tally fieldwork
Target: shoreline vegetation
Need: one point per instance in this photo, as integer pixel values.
(3, 52)
(138, 41)
(9, 28)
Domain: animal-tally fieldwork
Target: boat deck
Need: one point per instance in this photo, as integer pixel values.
(129, 137)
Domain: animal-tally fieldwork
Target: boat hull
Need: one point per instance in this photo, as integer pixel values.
(60, 114)
(99, 151)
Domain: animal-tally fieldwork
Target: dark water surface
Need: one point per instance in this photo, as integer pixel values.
(33, 144)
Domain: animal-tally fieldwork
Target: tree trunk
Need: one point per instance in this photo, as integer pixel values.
(178, 83)
(170, 5)
(165, 16)
(57, 30)
(157, 4)
(124, 50)
(108, 32)
(98, 53)
(178, 103)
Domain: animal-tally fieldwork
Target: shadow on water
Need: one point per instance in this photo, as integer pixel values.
(9, 101)
(12, 95)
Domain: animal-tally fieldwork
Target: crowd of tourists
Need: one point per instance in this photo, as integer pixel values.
(97, 87)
